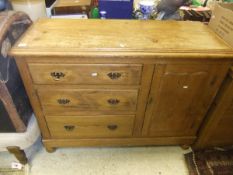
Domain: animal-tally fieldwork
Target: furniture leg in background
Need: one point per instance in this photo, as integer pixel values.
(18, 153)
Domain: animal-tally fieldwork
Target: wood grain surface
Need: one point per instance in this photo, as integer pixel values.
(64, 37)
(90, 126)
(217, 129)
(180, 98)
(86, 73)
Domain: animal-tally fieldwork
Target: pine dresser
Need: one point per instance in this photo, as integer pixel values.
(121, 82)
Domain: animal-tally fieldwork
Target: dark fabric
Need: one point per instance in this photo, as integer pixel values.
(49, 2)
(5, 122)
(12, 26)
(170, 6)
(210, 162)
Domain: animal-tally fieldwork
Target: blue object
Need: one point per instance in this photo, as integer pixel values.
(103, 14)
(2, 4)
(147, 7)
(116, 9)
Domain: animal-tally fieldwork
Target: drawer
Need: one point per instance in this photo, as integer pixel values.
(89, 99)
(90, 126)
(122, 74)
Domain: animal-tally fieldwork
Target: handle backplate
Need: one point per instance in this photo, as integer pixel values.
(57, 75)
(63, 101)
(114, 75)
(113, 101)
(112, 127)
(69, 127)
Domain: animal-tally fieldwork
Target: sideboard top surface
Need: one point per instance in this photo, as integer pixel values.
(64, 36)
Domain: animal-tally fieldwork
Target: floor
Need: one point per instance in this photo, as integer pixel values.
(104, 161)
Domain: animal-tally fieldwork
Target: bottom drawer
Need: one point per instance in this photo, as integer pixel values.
(90, 126)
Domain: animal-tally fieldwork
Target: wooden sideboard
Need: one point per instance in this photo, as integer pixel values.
(121, 82)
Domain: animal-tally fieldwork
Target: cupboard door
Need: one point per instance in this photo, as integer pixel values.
(180, 97)
(217, 129)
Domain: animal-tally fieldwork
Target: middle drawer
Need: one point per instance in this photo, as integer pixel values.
(87, 100)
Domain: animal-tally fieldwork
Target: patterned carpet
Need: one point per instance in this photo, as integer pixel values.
(210, 162)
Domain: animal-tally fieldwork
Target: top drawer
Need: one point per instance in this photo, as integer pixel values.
(122, 74)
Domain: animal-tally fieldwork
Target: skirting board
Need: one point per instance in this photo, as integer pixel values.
(109, 142)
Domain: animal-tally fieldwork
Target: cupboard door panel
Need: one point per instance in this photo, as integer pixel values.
(180, 97)
(217, 129)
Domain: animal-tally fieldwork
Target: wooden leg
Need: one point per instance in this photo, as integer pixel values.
(11, 109)
(185, 147)
(18, 153)
(50, 149)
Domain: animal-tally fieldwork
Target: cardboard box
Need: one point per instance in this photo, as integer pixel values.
(222, 21)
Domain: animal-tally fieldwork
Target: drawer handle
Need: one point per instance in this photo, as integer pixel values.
(57, 75)
(114, 75)
(113, 101)
(69, 127)
(63, 101)
(112, 127)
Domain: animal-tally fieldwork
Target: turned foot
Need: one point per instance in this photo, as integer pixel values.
(18, 153)
(50, 149)
(185, 147)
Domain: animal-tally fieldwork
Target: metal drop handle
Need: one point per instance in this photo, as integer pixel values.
(63, 101)
(112, 127)
(114, 75)
(69, 127)
(57, 75)
(112, 101)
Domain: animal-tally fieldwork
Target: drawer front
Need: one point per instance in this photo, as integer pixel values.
(89, 99)
(85, 74)
(90, 126)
